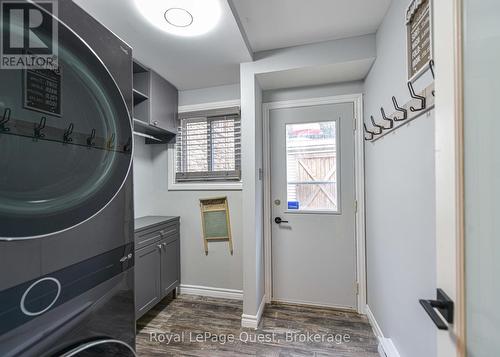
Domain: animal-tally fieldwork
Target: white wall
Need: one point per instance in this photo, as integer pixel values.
(400, 202)
(219, 269)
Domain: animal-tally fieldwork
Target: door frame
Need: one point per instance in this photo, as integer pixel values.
(449, 166)
(359, 176)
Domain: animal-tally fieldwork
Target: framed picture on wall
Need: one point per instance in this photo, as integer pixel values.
(418, 37)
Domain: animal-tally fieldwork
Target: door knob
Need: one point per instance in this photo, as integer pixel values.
(278, 220)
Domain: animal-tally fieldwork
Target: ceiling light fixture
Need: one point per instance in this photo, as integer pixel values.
(178, 17)
(181, 17)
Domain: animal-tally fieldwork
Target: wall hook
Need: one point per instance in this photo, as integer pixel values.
(5, 120)
(385, 118)
(371, 133)
(399, 109)
(414, 95)
(91, 139)
(431, 66)
(111, 142)
(67, 133)
(37, 131)
(375, 125)
(128, 146)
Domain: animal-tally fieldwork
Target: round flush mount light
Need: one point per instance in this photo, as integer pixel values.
(181, 17)
(178, 17)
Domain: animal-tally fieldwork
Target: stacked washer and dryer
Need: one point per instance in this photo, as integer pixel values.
(66, 197)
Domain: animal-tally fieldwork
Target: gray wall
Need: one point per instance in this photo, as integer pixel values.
(208, 95)
(219, 269)
(400, 221)
(326, 90)
(341, 52)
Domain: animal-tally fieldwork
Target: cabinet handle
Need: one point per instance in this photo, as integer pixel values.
(159, 246)
(155, 123)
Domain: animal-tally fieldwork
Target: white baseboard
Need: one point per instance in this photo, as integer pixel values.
(252, 321)
(386, 348)
(211, 292)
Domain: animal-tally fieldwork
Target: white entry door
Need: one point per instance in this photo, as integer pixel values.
(313, 205)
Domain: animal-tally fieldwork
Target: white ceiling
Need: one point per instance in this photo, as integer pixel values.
(271, 24)
(187, 62)
(214, 59)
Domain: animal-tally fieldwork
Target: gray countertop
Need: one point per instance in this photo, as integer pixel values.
(148, 221)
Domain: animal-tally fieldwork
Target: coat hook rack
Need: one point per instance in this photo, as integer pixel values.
(375, 125)
(40, 131)
(5, 120)
(91, 139)
(400, 110)
(67, 133)
(414, 95)
(402, 116)
(370, 133)
(37, 131)
(386, 119)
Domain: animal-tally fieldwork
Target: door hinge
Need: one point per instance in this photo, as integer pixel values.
(357, 288)
(356, 206)
(355, 124)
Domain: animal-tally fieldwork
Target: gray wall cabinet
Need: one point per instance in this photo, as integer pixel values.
(157, 264)
(164, 103)
(155, 104)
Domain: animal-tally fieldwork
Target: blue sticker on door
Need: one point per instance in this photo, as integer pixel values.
(293, 204)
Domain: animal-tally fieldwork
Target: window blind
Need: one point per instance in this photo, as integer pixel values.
(208, 146)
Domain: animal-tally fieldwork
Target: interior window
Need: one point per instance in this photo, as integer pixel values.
(208, 148)
(312, 170)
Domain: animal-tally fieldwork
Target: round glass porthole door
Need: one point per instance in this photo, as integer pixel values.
(103, 347)
(65, 138)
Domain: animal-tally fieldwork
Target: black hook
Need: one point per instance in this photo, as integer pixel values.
(375, 125)
(66, 137)
(90, 139)
(431, 66)
(128, 145)
(416, 96)
(5, 120)
(111, 142)
(399, 109)
(37, 132)
(371, 133)
(384, 117)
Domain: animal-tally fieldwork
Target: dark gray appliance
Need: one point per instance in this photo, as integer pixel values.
(66, 199)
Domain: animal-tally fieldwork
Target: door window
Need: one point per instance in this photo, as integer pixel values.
(312, 167)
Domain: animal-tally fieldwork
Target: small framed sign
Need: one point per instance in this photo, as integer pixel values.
(42, 91)
(418, 37)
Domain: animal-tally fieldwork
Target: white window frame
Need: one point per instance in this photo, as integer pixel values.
(337, 211)
(229, 185)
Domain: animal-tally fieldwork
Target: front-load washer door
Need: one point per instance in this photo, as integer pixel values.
(65, 132)
(100, 347)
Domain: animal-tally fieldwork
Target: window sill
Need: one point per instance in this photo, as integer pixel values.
(206, 186)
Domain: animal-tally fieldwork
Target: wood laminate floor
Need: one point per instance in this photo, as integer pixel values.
(201, 326)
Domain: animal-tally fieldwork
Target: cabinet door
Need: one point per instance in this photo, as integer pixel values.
(170, 265)
(164, 101)
(147, 278)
